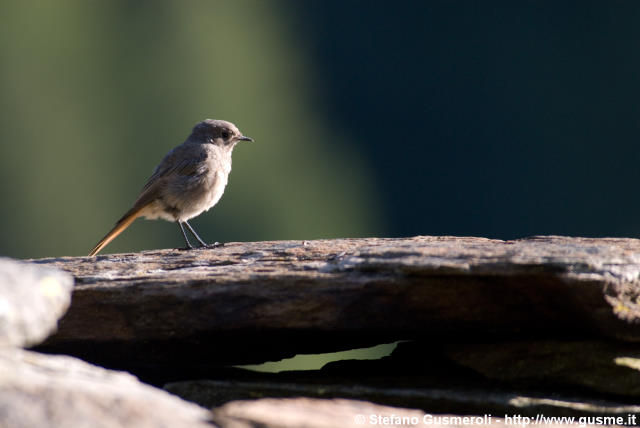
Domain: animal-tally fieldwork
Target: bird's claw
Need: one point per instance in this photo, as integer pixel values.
(214, 245)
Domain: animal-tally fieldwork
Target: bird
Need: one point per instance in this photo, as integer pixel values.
(189, 180)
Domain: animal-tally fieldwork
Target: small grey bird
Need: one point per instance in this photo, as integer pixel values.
(190, 179)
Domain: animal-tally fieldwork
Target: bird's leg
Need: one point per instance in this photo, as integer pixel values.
(186, 240)
(195, 235)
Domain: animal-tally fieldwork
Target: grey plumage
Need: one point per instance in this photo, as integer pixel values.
(188, 181)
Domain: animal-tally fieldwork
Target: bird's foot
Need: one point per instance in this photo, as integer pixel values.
(189, 248)
(214, 245)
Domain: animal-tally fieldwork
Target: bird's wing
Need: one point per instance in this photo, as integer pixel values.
(181, 161)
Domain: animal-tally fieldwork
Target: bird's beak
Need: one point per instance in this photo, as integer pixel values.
(243, 138)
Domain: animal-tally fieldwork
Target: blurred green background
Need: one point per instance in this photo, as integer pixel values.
(95, 93)
(500, 119)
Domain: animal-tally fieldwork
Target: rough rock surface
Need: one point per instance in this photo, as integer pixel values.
(32, 299)
(310, 413)
(58, 391)
(316, 413)
(537, 325)
(269, 300)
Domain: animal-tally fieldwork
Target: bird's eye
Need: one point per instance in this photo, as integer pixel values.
(225, 134)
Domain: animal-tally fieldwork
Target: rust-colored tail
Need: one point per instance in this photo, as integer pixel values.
(120, 226)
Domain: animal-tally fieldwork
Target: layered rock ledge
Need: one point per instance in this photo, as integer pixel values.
(335, 294)
(544, 324)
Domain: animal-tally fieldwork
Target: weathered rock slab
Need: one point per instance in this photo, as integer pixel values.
(32, 299)
(268, 300)
(310, 413)
(318, 413)
(58, 391)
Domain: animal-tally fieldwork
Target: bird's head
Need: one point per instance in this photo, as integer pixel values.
(218, 132)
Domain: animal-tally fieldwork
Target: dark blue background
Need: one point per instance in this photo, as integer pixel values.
(499, 118)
